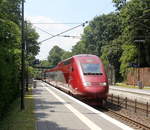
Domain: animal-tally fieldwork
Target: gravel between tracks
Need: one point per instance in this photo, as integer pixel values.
(130, 114)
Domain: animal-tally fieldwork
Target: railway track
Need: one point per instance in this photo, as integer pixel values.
(134, 124)
(124, 118)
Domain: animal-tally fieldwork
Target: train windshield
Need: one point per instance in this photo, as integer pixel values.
(91, 69)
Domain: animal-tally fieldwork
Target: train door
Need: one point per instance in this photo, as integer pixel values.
(71, 76)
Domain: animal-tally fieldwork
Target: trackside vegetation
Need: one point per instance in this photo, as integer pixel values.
(10, 51)
(15, 119)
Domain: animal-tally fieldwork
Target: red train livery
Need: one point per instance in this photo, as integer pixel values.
(82, 76)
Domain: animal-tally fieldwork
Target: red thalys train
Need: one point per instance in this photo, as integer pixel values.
(82, 76)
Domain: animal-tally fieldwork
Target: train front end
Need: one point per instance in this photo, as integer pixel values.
(93, 81)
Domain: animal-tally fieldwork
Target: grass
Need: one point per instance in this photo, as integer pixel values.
(16, 119)
(130, 86)
(125, 85)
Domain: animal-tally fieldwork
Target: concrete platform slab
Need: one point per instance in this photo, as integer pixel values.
(56, 110)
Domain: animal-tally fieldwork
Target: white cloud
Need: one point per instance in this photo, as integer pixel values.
(62, 42)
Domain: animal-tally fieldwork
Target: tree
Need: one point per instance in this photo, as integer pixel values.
(119, 4)
(55, 55)
(9, 63)
(44, 63)
(111, 54)
(101, 30)
(128, 56)
(79, 48)
(135, 28)
(31, 42)
(10, 51)
(66, 55)
(10, 10)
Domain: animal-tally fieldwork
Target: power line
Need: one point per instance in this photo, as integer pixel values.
(44, 31)
(56, 23)
(83, 24)
(59, 35)
(70, 36)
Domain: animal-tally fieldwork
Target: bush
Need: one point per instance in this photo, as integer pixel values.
(9, 63)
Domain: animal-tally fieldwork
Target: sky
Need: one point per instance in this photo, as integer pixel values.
(62, 11)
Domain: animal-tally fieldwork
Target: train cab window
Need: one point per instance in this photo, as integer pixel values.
(91, 69)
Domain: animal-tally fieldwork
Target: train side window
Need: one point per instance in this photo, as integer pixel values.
(67, 62)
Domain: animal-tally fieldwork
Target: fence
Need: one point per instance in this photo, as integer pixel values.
(134, 75)
(136, 106)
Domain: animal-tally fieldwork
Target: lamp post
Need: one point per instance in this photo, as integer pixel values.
(139, 82)
(22, 58)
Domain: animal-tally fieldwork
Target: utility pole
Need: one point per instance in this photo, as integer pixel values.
(22, 58)
(27, 50)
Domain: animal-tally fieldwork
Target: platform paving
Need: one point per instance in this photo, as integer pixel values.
(55, 110)
(140, 95)
(134, 90)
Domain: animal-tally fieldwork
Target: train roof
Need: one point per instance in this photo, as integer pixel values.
(80, 55)
(75, 56)
(84, 55)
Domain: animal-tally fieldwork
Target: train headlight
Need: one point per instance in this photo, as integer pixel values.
(87, 84)
(103, 84)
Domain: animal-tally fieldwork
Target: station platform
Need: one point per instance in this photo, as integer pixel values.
(134, 90)
(56, 110)
(140, 95)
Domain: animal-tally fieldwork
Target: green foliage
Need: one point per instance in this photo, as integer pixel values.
(31, 40)
(20, 120)
(119, 4)
(101, 30)
(10, 51)
(135, 26)
(32, 47)
(66, 55)
(128, 56)
(111, 54)
(44, 63)
(55, 55)
(34, 72)
(9, 62)
(10, 10)
(79, 48)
